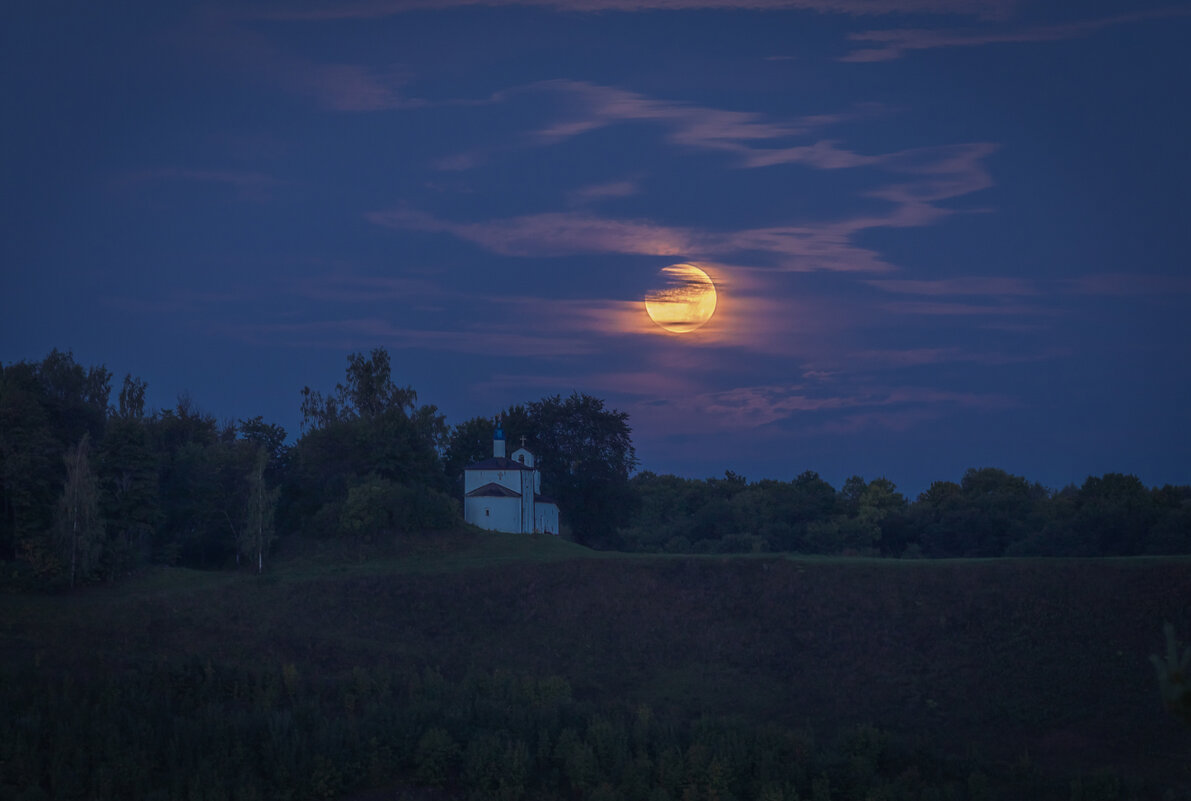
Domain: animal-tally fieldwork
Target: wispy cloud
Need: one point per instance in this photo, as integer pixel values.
(371, 9)
(938, 174)
(972, 285)
(935, 173)
(825, 155)
(332, 86)
(597, 192)
(552, 233)
(1130, 284)
(937, 309)
(923, 179)
(459, 162)
(750, 138)
(991, 290)
(349, 87)
(808, 408)
(593, 106)
(793, 247)
(895, 43)
(372, 331)
(918, 357)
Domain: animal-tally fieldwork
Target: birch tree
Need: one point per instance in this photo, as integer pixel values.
(79, 528)
(258, 532)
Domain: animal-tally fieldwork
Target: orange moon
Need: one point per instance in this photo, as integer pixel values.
(685, 301)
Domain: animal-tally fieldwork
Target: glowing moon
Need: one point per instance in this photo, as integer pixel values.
(685, 301)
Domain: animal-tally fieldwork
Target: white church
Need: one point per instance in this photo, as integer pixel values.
(504, 494)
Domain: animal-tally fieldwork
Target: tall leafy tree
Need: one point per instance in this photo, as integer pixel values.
(127, 468)
(76, 398)
(1171, 534)
(78, 526)
(131, 400)
(369, 427)
(187, 445)
(1115, 512)
(29, 465)
(367, 392)
(586, 457)
(45, 408)
(269, 436)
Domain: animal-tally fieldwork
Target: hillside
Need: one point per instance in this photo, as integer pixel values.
(1039, 662)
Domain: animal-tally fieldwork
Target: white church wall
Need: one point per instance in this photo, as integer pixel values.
(493, 514)
(526, 490)
(511, 514)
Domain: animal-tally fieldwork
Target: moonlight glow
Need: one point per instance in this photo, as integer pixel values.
(684, 302)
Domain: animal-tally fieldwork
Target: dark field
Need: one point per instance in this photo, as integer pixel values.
(1016, 665)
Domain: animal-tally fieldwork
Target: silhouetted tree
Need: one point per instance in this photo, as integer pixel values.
(269, 436)
(586, 457)
(29, 459)
(1171, 533)
(370, 427)
(368, 391)
(78, 526)
(127, 468)
(76, 398)
(131, 403)
(45, 409)
(1115, 513)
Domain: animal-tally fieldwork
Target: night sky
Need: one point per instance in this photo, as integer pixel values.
(945, 233)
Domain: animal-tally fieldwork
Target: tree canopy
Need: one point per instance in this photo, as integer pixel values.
(91, 488)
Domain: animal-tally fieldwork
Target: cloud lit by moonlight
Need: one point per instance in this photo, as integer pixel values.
(684, 301)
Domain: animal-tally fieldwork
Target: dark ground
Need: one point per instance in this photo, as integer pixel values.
(1035, 663)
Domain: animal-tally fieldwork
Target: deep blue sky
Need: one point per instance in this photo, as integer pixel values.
(946, 233)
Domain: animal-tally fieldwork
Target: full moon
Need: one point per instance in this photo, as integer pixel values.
(685, 301)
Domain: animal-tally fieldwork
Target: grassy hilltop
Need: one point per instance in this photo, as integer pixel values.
(1036, 663)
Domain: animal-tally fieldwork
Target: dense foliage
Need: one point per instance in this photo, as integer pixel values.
(989, 513)
(200, 731)
(91, 488)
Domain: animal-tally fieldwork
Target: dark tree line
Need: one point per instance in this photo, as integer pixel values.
(91, 490)
(92, 487)
(989, 513)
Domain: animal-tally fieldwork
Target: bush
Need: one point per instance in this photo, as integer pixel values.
(377, 505)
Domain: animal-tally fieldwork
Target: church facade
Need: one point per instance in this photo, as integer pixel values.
(503, 493)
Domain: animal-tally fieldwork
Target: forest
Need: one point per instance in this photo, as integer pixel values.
(94, 485)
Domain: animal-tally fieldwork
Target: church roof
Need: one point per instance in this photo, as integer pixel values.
(498, 463)
(544, 499)
(493, 490)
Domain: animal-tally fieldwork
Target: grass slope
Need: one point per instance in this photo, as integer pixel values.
(1038, 661)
